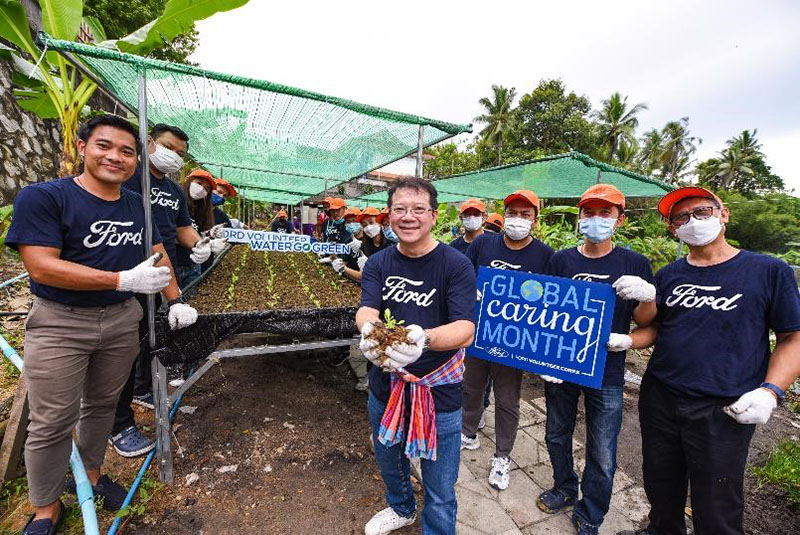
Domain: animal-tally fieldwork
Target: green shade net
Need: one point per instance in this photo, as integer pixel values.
(290, 142)
(561, 176)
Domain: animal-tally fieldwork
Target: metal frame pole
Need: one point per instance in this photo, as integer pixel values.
(420, 143)
(160, 394)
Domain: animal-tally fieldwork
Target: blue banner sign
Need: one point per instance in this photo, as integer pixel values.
(260, 240)
(546, 325)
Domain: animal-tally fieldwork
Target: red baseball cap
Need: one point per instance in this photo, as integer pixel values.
(603, 192)
(201, 173)
(495, 219)
(383, 215)
(228, 186)
(675, 196)
(369, 211)
(281, 213)
(525, 195)
(472, 203)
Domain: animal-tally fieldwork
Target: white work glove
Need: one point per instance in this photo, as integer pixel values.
(217, 245)
(367, 345)
(754, 407)
(338, 265)
(355, 246)
(635, 288)
(324, 258)
(144, 278)
(480, 295)
(619, 342)
(216, 231)
(362, 260)
(403, 354)
(551, 379)
(181, 315)
(201, 251)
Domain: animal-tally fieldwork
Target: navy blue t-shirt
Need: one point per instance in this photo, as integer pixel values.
(221, 217)
(335, 232)
(714, 322)
(460, 245)
(570, 263)
(490, 250)
(429, 291)
(90, 231)
(169, 208)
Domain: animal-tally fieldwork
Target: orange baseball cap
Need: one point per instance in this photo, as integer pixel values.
(603, 192)
(334, 203)
(369, 211)
(354, 211)
(199, 172)
(227, 185)
(495, 219)
(525, 195)
(673, 197)
(383, 215)
(472, 203)
(281, 213)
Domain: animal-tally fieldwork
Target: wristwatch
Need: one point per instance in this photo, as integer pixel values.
(775, 390)
(175, 301)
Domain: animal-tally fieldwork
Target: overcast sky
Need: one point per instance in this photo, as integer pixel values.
(729, 65)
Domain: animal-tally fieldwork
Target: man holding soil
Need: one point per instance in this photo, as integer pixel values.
(514, 249)
(431, 288)
(166, 147)
(472, 214)
(711, 377)
(81, 240)
(602, 211)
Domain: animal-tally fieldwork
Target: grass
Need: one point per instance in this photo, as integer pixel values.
(782, 469)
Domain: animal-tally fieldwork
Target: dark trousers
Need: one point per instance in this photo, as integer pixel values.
(690, 441)
(140, 379)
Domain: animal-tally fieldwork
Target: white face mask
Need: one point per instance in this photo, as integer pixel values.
(699, 232)
(197, 192)
(372, 230)
(517, 228)
(472, 223)
(165, 160)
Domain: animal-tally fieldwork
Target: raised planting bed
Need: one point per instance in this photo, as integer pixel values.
(248, 291)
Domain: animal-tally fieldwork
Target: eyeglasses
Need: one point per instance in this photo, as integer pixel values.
(703, 212)
(400, 211)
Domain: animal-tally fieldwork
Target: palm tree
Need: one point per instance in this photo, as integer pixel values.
(627, 153)
(617, 122)
(678, 148)
(497, 116)
(733, 163)
(652, 145)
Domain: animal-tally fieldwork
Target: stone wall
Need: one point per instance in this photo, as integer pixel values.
(29, 146)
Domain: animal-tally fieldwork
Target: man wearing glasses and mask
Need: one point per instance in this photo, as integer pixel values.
(712, 376)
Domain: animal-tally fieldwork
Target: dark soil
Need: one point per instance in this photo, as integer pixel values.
(767, 510)
(297, 432)
(386, 336)
(250, 280)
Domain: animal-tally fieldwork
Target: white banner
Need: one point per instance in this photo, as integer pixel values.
(285, 243)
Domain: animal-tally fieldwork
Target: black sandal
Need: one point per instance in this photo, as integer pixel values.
(45, 526)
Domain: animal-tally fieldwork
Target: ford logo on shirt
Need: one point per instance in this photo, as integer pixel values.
(398, 292)
(108, 233)
(162, 198)
(499, 264)
(696, 296)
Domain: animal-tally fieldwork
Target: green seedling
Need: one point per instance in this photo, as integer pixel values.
(389, 320)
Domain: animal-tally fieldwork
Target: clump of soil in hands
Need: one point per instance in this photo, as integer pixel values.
(386, 333)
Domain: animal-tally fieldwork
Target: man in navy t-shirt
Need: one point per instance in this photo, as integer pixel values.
(81, 239)
(602, 211)
(516, 249)
(430, 287)
(472, 213)
(711, 376)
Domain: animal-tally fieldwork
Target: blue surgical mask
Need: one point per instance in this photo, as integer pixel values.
(353, 228)
(597, 229)
(338, 221)
(390, 235)
(217, 199)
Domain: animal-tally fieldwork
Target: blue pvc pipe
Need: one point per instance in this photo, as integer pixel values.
(15, 279)
(145, 465)
(85, 495)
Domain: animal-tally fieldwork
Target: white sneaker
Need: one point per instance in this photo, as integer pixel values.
(498, 475)
(470, 443)
(482, 421)
(387, 521)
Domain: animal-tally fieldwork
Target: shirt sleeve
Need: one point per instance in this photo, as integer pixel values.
(784, 307)
(472, 252)
(371, 284)
(156, 235)
(184, 219)
(36, 220)
(646, 270)
(461, 290)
